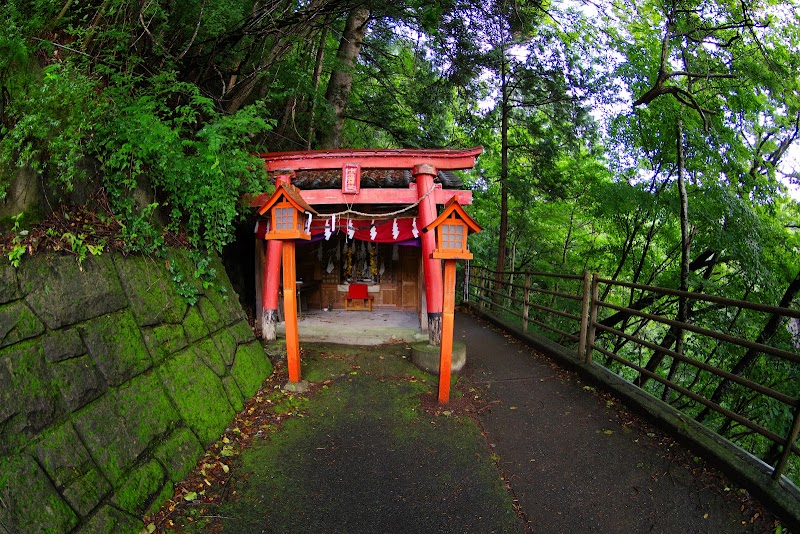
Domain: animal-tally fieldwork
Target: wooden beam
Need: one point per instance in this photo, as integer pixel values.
(315, 197)
(443, 160)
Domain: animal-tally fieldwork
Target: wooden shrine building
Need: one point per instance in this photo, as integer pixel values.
(365, 211)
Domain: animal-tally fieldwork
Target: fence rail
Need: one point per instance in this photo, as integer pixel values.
(735, 369)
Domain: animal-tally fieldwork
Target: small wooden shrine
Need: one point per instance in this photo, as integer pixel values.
(362, 214)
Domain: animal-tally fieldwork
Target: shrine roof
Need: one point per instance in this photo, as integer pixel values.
(370, 178)
(393, 158)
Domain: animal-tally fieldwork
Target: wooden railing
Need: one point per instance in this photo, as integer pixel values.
(734, 365)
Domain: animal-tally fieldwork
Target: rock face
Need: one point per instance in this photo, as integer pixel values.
(110, 388)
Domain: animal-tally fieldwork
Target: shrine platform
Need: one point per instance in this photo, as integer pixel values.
(358, 327)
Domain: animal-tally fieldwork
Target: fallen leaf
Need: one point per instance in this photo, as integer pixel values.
(192, 495)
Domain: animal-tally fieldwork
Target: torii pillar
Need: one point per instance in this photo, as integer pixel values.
(424, 175)
(272, 282)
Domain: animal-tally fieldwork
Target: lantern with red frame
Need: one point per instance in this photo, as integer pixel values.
(452, 227)
(289, 214)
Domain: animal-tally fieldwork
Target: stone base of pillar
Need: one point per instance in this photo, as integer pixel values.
(269, 325)
(297, 387)
(435, 328)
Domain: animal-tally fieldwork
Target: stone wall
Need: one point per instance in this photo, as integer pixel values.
(111, 386)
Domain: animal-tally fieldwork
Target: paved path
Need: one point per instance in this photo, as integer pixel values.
(572, 462)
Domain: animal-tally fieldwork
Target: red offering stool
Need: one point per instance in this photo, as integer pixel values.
(358, 292)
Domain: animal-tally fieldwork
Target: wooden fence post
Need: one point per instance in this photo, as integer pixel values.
(479, 286)
(486, 283)
(787, 447)
(587, 292)
(526, 300)
(592, 317)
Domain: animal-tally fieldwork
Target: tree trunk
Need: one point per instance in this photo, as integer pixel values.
(686, 248)
(502, 243)
(315, 81)
(750, 356)
(341, 81)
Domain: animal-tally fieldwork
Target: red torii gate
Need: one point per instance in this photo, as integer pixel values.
(423, 164)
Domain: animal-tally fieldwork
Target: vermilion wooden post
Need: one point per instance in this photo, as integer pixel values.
(272, 282)
(290, 311)
(432, 267)
(446, 348)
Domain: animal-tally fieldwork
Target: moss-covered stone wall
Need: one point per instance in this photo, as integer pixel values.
(111, 386)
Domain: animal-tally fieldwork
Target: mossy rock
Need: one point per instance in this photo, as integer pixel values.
(66, 461)
(78, 381)
(30, 502)
(62, 455)
(251, 367)
(139, 414)
(179, 453)
(222, 295)
(27, 388)
(226, 344)
(242, 332)
(235, 396)
(207, 351)
(116, 346)
(9, 288)
(194, 325)
(87, 492)
(163, 340)
(198, 394)
(211, 316)
(63, 345)
(426, 357)
(140, 487)
(60, 294)
(110, 520)
(17, 323)
(153, 295)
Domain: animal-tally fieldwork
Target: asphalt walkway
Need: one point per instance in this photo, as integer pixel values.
(363, 457)
(575, 462)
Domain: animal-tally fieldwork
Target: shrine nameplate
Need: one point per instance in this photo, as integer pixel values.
(351, 179)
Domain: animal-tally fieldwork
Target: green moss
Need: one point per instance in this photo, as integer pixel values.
(163, 340)
(355, 431)
(319, 369)
(226, 344)
(179, 453)
(153, 295)
(250, 367)
(62, 455)
(142, 484)
(87, 492)
(9, 288)
(17, 322)
(235, 396)
(116, 346)
(110, 520)
(118, 428)
(166, 493)
(242, 332)
(194, 326)
(27, 387)
(198, 394)
(63, 345)
(211, 316)
(207, 351)
(29, 500)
